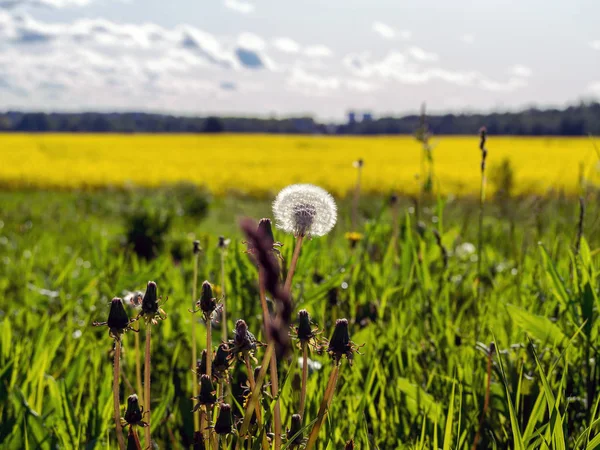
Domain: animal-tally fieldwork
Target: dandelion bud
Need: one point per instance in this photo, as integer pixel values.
(224, 423)
(295, 431)
(118, 320)
(349, 445)
(196, 247)
(340, 344)
(207, 394)
(220, 364)
(208, 303)
(305, 332)
(133, 414)
(243, 340)
(150, 300)
(305, 210)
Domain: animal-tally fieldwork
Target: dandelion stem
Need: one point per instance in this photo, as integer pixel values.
(329, 391)
(224, 311)
(481, 204)
(138, 368)
(194, 351)
(273, 362)
(304, 378)
(356, 198)
(116, 378)
(147, 384)
(133, 441)
(290, 275)
(208, 372)
(252, 403)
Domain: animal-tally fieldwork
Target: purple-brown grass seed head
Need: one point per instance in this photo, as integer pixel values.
(295, 430)
(224, 423)
(265, 228)
(150, 300)
(305, 332)
(133, 413)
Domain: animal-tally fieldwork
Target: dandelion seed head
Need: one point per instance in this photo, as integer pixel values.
(305, 210)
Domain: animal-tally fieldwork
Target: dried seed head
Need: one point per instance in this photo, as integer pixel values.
(223, 243)
(243, 340)
(220, 364)
(207, 394)
(134, 299)
(295, 429)
(118, 320)
(224, 423)
(208, 302)
(359, 163)
(196, 247)
(349, 445)
(133, 413)
(150, 300)
(305, 210)
(305, 332)
(340, 344)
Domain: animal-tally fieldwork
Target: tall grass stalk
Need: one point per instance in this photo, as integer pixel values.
(486, 401)
(224, 310)
(329, 391)
(194, 350)
(290, 275)
(117, 409)
(208, 372)
(272, 363)
(359, 165)
(147, 384)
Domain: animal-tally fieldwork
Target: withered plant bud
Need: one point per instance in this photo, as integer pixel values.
(305, 332)
(150, 300)
(133, 413)
(118, 320)
(196, 247)
(243, 340)
(201, 365)
(220, 364)
(224, 423)
(207, 394)
(294, 433)
(340, 344)
(349, 445)
(208, 303)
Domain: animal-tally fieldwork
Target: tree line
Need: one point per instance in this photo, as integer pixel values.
(579, 120)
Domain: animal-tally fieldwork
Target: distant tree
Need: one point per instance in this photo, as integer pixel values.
(213, 125)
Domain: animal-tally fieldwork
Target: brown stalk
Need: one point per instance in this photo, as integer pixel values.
(486, 401)
(194, 350)
(117, 409)
(290, 275)
(147, 384)
(329, 391)
(304, 378)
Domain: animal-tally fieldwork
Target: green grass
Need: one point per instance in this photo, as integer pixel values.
(421, 380)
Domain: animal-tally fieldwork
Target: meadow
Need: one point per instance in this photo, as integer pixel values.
(260, 165)
(472, 334)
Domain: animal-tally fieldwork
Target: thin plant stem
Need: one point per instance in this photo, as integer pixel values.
(356, 199)
(208, 372)
(223, 443)
(329, 391)
(133, 441)
(224, 311)
(481, 204)
(194, 350)
(138, 368)
(273, 362)
(290, 275)
(253, 402)
(304, 379)
(147, 384)
(116, 378)
(486, 401)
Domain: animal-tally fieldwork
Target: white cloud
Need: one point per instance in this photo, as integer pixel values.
(467, 38)
(8, 4)
(359, 85)
(421, 55)
(519, 70)
(383, 30)
(497, 86)
(318, 51)
(286, 45)
(595, 87)
(239, 6)
(595, 44)
(312, 84)
(251, 41)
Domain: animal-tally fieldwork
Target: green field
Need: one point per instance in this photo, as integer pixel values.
(426, 377)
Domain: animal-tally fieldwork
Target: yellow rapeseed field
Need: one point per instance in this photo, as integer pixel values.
(260, 164)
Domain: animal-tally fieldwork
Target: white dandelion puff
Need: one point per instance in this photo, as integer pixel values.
(305, 210)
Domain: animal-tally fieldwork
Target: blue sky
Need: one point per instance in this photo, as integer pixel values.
(280, 57)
